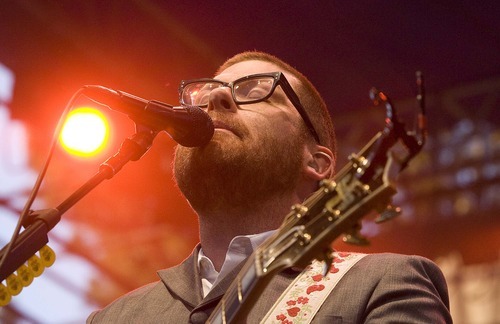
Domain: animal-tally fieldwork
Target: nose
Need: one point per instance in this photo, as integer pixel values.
(221, 99)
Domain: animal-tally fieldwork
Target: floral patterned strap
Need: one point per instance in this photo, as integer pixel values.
(305, 295)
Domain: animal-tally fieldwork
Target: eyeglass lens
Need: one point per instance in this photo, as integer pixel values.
(244, 90)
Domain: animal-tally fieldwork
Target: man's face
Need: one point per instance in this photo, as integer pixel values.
(255, 153)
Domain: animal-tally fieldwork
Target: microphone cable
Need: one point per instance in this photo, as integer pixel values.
(39, 180)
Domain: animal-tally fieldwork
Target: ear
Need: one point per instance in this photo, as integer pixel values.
(320, 163)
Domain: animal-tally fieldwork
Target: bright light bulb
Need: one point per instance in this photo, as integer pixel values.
(85, 132)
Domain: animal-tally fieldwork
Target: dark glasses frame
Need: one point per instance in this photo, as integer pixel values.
(279, 79)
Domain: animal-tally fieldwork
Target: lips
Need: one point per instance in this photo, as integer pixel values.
(223, 126)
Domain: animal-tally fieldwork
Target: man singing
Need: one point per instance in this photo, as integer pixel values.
(273, 143)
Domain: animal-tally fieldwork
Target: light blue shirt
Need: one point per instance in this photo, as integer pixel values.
(241, 247)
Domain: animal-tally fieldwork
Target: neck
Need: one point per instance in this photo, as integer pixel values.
(218, 228)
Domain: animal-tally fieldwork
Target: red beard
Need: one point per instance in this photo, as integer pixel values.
(234, 173)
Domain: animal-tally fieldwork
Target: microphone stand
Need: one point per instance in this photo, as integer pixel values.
(39, 223)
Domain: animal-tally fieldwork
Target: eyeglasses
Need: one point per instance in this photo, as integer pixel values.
(246, 90)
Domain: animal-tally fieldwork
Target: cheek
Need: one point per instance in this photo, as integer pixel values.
(276, 127)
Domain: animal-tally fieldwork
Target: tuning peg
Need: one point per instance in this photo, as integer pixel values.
(389, 213)
(47, 256)
(25, 275)
(328, 185)
(327, 261)
(299, 210)
(36, 265)
(14, 285)
(355, 238)
(5, 295)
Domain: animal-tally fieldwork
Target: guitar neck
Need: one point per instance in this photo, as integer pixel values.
(253, 278)
(364, 185)
(244, 290)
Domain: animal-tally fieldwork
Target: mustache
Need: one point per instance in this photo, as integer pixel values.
(233, 125)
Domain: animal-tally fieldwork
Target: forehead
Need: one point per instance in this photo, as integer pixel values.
(245, 68)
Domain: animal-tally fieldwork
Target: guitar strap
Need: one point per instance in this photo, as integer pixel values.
(300, 302)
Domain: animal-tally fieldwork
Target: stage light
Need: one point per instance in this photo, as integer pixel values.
(85, 132)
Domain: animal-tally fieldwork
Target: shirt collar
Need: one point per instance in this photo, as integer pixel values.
(240, 248)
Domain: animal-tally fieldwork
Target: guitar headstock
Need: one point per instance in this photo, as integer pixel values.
(364, 185)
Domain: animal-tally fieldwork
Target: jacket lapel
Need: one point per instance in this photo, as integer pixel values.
(184, 280)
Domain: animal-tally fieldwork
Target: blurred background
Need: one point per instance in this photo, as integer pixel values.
(116, 238)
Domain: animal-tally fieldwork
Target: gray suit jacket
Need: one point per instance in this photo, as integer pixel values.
(381, 288)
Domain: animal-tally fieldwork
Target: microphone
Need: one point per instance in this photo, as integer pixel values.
(189, 126)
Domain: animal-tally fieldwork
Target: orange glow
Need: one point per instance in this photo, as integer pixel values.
(85, 132)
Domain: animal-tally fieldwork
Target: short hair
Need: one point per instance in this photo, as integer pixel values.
(309, 97)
